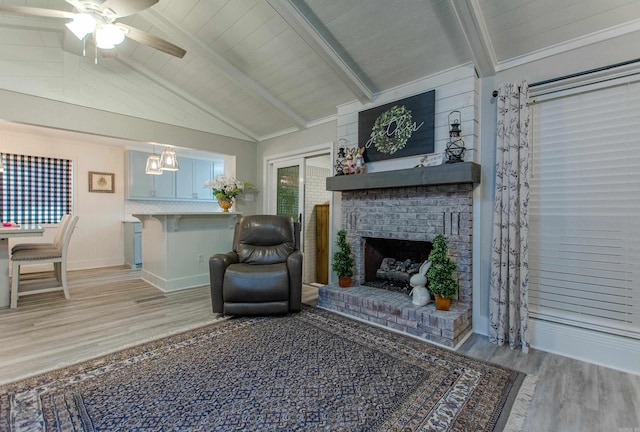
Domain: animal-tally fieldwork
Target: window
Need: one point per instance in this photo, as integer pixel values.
(35, 189)
(584, 228)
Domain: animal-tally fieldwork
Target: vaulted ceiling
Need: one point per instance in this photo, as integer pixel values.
(267, 67)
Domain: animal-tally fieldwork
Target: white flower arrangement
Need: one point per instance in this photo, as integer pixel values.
(226, 188)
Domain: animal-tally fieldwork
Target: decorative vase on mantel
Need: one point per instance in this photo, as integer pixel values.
(225, 204)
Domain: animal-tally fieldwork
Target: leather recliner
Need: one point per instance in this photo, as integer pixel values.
(262, 275)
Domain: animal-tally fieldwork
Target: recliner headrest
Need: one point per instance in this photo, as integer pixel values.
(265, 239)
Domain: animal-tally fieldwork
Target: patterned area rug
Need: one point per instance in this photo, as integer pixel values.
(309, 371)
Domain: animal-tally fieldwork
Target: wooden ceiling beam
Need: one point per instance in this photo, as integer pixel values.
(475, 31)
(320, 40)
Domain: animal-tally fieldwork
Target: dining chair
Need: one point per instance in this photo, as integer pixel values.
(55, 255)
(62, 226)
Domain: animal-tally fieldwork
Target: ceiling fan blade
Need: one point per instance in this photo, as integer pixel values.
(124, 8)
(153, 41)
(40, 12)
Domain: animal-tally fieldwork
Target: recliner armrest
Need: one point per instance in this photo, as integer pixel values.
(217, 266)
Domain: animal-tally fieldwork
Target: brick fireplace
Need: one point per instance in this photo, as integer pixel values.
(407, 205)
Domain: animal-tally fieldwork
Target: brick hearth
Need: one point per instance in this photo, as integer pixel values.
(395, 311)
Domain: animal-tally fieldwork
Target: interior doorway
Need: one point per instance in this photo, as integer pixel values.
(297, 187)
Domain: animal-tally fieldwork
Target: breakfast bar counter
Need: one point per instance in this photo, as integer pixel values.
(176, 247)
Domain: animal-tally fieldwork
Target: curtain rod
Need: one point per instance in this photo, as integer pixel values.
(590, 71)
(577, 74)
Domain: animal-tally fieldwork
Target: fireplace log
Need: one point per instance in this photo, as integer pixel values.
(397, 270)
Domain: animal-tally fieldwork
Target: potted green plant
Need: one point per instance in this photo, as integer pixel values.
(343, 260)
(441, 282)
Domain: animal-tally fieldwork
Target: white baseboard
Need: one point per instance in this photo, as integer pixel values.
(616, 352)
(167, 285)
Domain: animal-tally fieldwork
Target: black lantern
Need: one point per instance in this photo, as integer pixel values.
(455, 146)
(340, 157)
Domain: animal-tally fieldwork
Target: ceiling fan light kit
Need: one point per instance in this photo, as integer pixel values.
(109, 35)
(82, 25)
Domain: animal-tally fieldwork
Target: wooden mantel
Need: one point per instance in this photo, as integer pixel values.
(463, 172)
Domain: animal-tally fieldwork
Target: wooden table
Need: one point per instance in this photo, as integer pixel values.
(27, 230)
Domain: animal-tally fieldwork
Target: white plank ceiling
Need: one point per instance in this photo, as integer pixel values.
(260, 68)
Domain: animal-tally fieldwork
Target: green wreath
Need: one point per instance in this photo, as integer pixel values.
(390, 141)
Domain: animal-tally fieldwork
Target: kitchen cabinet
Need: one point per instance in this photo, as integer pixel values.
(147, 186)
(191, 178)
(186, 184)
(133, 244)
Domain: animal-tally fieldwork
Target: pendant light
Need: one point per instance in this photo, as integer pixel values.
(153, 164)
(169, 160)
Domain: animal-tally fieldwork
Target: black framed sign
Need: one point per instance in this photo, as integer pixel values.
(398, 129)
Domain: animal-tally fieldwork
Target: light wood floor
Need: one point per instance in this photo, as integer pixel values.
(112, 308)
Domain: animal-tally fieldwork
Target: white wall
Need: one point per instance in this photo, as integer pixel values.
(296, 142)
(456, 89)
(598, 55)
(98, 238)
(110, 85)
(608, 350)
(101, 126)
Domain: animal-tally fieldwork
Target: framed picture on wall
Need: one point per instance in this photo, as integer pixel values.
(101, 182)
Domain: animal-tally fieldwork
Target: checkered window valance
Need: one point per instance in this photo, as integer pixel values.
(35, 189)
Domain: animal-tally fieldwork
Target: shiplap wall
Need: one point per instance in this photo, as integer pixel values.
(111, 85)
(456, 89)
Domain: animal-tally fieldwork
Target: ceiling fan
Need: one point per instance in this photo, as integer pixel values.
(98, 18)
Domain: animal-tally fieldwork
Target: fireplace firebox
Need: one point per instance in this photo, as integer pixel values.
(405, 257)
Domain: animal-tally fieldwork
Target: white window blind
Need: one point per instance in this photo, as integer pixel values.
(584, 228)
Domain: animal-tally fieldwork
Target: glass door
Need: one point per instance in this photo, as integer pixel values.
(296, 186)
(287, 186)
